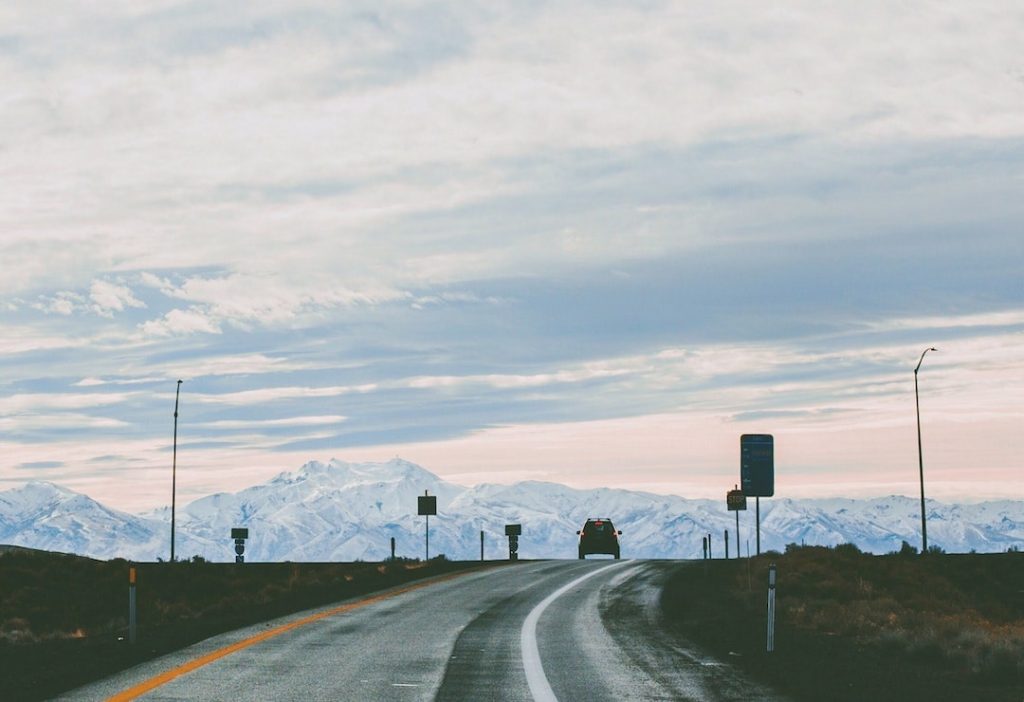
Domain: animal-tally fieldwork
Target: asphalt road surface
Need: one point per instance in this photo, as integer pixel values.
(538, 631)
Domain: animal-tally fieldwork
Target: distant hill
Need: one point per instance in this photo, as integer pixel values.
(338, 511)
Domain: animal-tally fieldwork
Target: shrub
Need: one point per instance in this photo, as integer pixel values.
(907, 550)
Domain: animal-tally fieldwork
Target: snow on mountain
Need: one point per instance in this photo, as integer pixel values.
(339, 511)
(46, 516)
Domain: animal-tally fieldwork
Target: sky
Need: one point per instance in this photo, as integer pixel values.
(590, 243)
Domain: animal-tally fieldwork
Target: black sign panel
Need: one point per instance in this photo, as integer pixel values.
(426, 504)
(736, 500)
(757, 465)
(238, 533)
(513, 529)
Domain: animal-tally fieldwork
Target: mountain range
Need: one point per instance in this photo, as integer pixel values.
(339, 511)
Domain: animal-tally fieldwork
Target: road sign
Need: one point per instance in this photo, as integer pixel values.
(239, 534)
(513, 532)
(736, 501)
(426, 504)
(757, 465)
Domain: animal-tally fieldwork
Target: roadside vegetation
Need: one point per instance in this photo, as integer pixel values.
(854, 626)
(64, 619)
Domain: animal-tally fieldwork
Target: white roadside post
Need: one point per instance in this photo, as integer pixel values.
(771, 608)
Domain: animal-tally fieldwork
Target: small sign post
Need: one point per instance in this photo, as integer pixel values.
(513, 531)
(757, 472)
(426, 505)
(736, 502)
(239, 535)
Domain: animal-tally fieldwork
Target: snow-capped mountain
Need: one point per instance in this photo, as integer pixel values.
(346, 511)
(46, 516)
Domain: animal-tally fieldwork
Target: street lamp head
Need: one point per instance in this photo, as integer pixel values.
(921, 360)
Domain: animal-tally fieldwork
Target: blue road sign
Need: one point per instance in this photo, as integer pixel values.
(757, 465)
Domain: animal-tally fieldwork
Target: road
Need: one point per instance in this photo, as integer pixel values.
(538, 631)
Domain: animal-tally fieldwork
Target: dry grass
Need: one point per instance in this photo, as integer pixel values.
(947, 609)
(868, 627)
(63, 619)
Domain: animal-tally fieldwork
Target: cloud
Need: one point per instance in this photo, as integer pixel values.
(33, 465)
(15, 339)
(182, 322)
(54, 422)
(96, 382)
(345, 99)
(63, 303)
(104, 299)
(35, 402)
(272, 423)
(460, 219)
(108, 298)
(265, 395)
(245, 301)
(237, 364)
(1004, 319)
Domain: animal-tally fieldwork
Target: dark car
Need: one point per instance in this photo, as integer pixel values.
(599, 536)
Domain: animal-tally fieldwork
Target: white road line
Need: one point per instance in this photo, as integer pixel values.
(540, 688)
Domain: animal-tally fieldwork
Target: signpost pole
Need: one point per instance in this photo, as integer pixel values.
(757, 518)
(481, 545)
(426, 505)
(737, 533)
(736, 501)
(771, 608)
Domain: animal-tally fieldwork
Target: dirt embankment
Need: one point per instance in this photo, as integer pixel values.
(852, 626)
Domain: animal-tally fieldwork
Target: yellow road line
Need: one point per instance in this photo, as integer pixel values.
(167, 676)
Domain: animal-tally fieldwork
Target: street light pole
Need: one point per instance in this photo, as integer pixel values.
(174, 465)
(920, 458)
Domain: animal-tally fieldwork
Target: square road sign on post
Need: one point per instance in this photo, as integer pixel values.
(426, 504)
(757, 465)
(736, 501)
